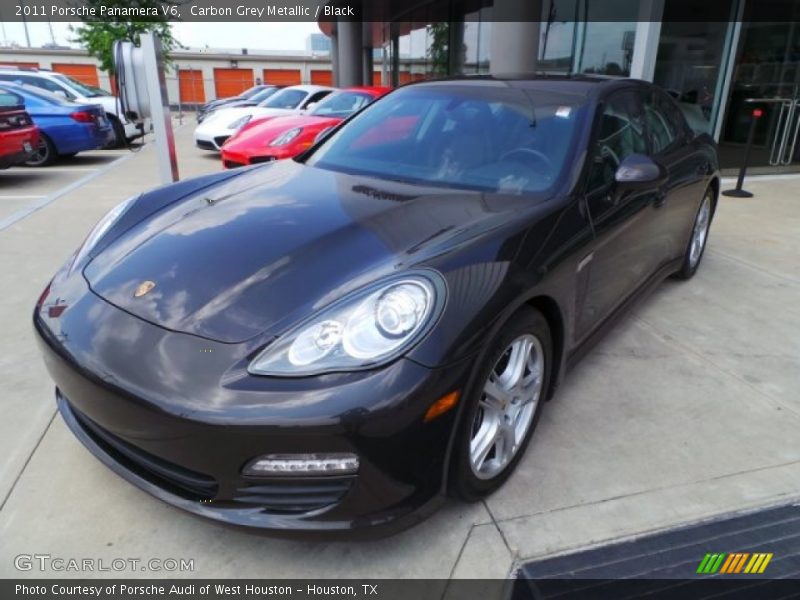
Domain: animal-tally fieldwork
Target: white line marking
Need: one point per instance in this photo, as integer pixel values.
(59, 169)
(45, 200)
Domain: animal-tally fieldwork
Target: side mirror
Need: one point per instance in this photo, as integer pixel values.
(311, 106)
(61, 93)
(638, 172)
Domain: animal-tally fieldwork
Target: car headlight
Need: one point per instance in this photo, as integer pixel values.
(286, 137)
(365, 329)
(99, 230)
(240, 122)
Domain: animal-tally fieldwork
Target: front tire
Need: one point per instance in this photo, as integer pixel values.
(503, 407)
(699, 237)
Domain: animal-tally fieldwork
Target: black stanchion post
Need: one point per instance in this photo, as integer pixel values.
(738, 192)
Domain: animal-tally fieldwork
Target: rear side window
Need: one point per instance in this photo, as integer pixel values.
(10, 99)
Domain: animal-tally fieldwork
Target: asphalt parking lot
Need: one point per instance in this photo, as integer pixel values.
(687, 410)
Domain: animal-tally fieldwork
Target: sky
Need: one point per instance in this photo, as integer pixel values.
(253, 36)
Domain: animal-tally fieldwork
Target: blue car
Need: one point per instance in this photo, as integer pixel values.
(66, 127)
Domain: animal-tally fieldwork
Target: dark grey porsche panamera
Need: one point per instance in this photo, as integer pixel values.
(335, 342)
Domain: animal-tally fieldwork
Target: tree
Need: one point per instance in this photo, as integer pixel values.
(98, 37)
(438, 51)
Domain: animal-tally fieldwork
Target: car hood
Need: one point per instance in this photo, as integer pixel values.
(262, 132)
(278, 242)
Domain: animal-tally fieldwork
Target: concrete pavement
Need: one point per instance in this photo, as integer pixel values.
(687, 410)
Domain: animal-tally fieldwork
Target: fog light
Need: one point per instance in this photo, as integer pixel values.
(343, 463)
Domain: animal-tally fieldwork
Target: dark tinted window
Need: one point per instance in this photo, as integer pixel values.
(665, 122)
(620, 133)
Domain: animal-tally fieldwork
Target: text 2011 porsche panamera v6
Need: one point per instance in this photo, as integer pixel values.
(336, 341)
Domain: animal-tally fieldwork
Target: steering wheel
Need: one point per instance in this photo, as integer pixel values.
(523, 153)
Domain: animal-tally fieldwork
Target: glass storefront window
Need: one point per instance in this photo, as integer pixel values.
(574, 38)
(692, 59)
(766, 76)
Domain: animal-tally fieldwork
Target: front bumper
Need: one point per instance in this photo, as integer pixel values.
(209, 140)
(185, 441)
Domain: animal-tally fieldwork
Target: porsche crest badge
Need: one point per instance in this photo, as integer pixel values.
(144, 288)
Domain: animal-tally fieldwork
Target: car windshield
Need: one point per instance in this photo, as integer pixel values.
(287, 98)
(341, 104)
(262, 94)
(250, 92)
(87, 91)
(483, 137)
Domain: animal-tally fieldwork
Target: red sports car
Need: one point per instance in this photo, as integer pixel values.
(274, 138)
(19, 137)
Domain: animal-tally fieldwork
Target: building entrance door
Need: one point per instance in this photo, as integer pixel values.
(767, 77)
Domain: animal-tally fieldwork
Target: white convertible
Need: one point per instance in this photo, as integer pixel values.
(222, 124)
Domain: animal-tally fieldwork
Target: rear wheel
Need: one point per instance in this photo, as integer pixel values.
(119, 140)
(503, 410)
(45, 153)
(699, 237)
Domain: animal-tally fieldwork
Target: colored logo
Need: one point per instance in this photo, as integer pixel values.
(144, 288)
(732, 563)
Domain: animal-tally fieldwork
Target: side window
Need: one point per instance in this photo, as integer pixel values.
(50, 86)
(662, 128)
(316, 97)
(620, 134)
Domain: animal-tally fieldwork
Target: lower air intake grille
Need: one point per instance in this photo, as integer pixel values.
(295, 496)
(171, 477)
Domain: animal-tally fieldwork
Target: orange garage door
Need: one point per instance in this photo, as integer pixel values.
(282, 76)
(190, 85)
(230, 82)
(321, 77)
(84, 73)
(377, 78)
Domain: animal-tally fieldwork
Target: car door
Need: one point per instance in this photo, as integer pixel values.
(671, 144)
(621, 257)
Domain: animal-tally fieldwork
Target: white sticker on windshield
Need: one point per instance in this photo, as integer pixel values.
(563, 111)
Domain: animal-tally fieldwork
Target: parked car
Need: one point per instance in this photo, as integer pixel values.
(332, 342)
(249, 97)
(18, 135)
(72, 89)
(216, 129)
(65, 127)
(285, 137)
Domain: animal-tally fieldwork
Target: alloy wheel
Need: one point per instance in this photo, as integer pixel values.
(507, 406)
(700, 232)
(41, 155)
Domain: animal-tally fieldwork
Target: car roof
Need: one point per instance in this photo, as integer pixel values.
(310, 88)
(578, 84)
(369, 89)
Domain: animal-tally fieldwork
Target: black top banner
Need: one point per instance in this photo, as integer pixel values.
(394, 10)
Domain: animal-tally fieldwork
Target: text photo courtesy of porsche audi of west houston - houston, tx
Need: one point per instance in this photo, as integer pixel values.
(485, 298)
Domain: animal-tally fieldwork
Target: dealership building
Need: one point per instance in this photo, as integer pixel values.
(720, 58)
